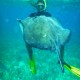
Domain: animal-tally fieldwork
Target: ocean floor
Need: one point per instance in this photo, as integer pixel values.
(14, 62)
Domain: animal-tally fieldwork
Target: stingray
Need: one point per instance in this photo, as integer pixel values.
(44, 33)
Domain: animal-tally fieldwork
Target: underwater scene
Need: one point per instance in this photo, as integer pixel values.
(42, 45)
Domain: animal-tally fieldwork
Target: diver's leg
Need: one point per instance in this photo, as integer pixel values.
(62, 56)
(60, 52)
(30, 52)
(32, 62)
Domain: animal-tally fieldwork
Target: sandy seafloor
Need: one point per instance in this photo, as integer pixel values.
(14, 60)
(14, 63)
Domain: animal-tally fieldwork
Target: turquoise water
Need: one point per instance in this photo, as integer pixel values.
(14, 60)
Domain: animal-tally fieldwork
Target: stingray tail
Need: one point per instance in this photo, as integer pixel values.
(72, 69)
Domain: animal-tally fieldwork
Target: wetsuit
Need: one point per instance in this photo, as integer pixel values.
(40, 13)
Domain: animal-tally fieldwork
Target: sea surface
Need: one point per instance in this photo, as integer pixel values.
(14, 59)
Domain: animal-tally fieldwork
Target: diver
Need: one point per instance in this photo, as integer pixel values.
(41, 9)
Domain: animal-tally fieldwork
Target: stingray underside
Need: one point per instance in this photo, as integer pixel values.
(44, 32)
